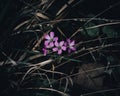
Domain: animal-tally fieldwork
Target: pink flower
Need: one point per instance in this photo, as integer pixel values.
(49, 43)
(44, 51)
(71, 45)
(59, 47)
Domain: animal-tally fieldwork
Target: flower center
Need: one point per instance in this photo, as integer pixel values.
(51, 40)
(59, 47)
(70, 46)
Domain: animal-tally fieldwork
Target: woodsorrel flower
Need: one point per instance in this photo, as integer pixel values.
(59, 47)
(49, 43)
(70, 45)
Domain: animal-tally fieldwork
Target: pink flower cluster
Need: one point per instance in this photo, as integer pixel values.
(51, 43)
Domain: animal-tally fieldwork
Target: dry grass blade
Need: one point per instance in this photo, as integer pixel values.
(66, 85)
(50, 4)
(30, 70)
(21, 24)
(101, 25)
(61, 32)
(41, 64)
(93, 27)
(55, 72)
(110, 7)
(49, 81)
(35, 67)
(42, 15)
(22, 56)
(43, 2)
(38, 42)
(64, 7)
(34, 57)
(10, 59)
(79, 19)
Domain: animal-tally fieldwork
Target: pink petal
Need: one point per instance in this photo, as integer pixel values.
(51, 44)
(47, 36)
(55, 49)
(51, 34)
(46, 43)
(72, 43)
(44, 51)
(65, 44)
(68, 40)
(61, 43)
(48, 46)
(55, 39)
(63, 48)
(56, 44)
(59, 51)
(73, 48)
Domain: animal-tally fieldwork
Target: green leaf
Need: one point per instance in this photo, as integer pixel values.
(109, 71)
(110, 59)
(109, 32)
(91, 32)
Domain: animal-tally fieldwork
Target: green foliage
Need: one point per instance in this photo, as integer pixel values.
(110, 32)
(91, 32)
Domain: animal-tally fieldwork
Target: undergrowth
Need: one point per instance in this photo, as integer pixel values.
(88, 67)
